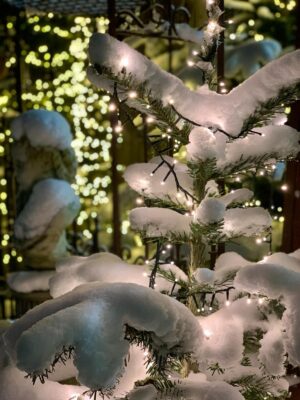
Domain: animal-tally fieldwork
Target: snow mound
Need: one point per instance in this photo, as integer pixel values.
(91, 318)
(29, 281)
(106, 268)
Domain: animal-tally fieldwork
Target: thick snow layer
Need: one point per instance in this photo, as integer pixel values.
(277, 281)
(43, 128)
(210, 211)
(204, 107)
(29, 281)
(246, 221)
(229, 262)
(13, 386)
(156, 222)
(92, 318)
(236, 196)
(295, 254)
(224, 330)
(225, 345)
(272, 351)
(47, 199)
(190, 389)
(204, 145)
(286, 260)
(279, 141)
(105, 268)
(139, 177)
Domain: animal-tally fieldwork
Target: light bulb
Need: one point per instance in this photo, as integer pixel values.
(227, 303)
(207, 333)
(124, 62)
(132, 95)
(112, 107)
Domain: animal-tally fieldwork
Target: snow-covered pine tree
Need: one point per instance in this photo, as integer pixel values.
(228, 332)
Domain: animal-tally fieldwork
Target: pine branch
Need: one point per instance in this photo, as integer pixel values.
(165, 118)
(161, 361)
(254, 387)
(268, 110)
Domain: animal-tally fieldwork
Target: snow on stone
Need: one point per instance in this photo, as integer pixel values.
(13, 386)
(276, 141)
(236, 196)
(29, 281)
(155, 222)
(106, 268)
(246, 221)
(272, 351)
(43, 128)
(210, 211)
(92, 318)
(276, 282)
(140, 178)
(48, 197)
(203, 107)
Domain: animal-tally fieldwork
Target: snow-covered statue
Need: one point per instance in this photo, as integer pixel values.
(45, 167)
(160, 331)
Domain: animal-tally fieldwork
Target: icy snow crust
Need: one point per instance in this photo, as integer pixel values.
(43, 128)
(204, 107)
(48, 197)
(99, 312)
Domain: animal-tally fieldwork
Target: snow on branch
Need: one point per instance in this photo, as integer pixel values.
(154, 180)
(276, 282)
(100, 313)
(262, 94)
(161, 222)
(106, 268)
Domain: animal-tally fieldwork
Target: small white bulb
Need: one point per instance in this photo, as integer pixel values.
(124, 62)
(132, 95)
(112, 107)
(227, 303)
(207, 333)
(118, 128)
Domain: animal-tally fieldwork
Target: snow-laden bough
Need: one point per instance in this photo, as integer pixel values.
(100, 313)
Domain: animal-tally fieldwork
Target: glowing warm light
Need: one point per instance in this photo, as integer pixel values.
(207, 333)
